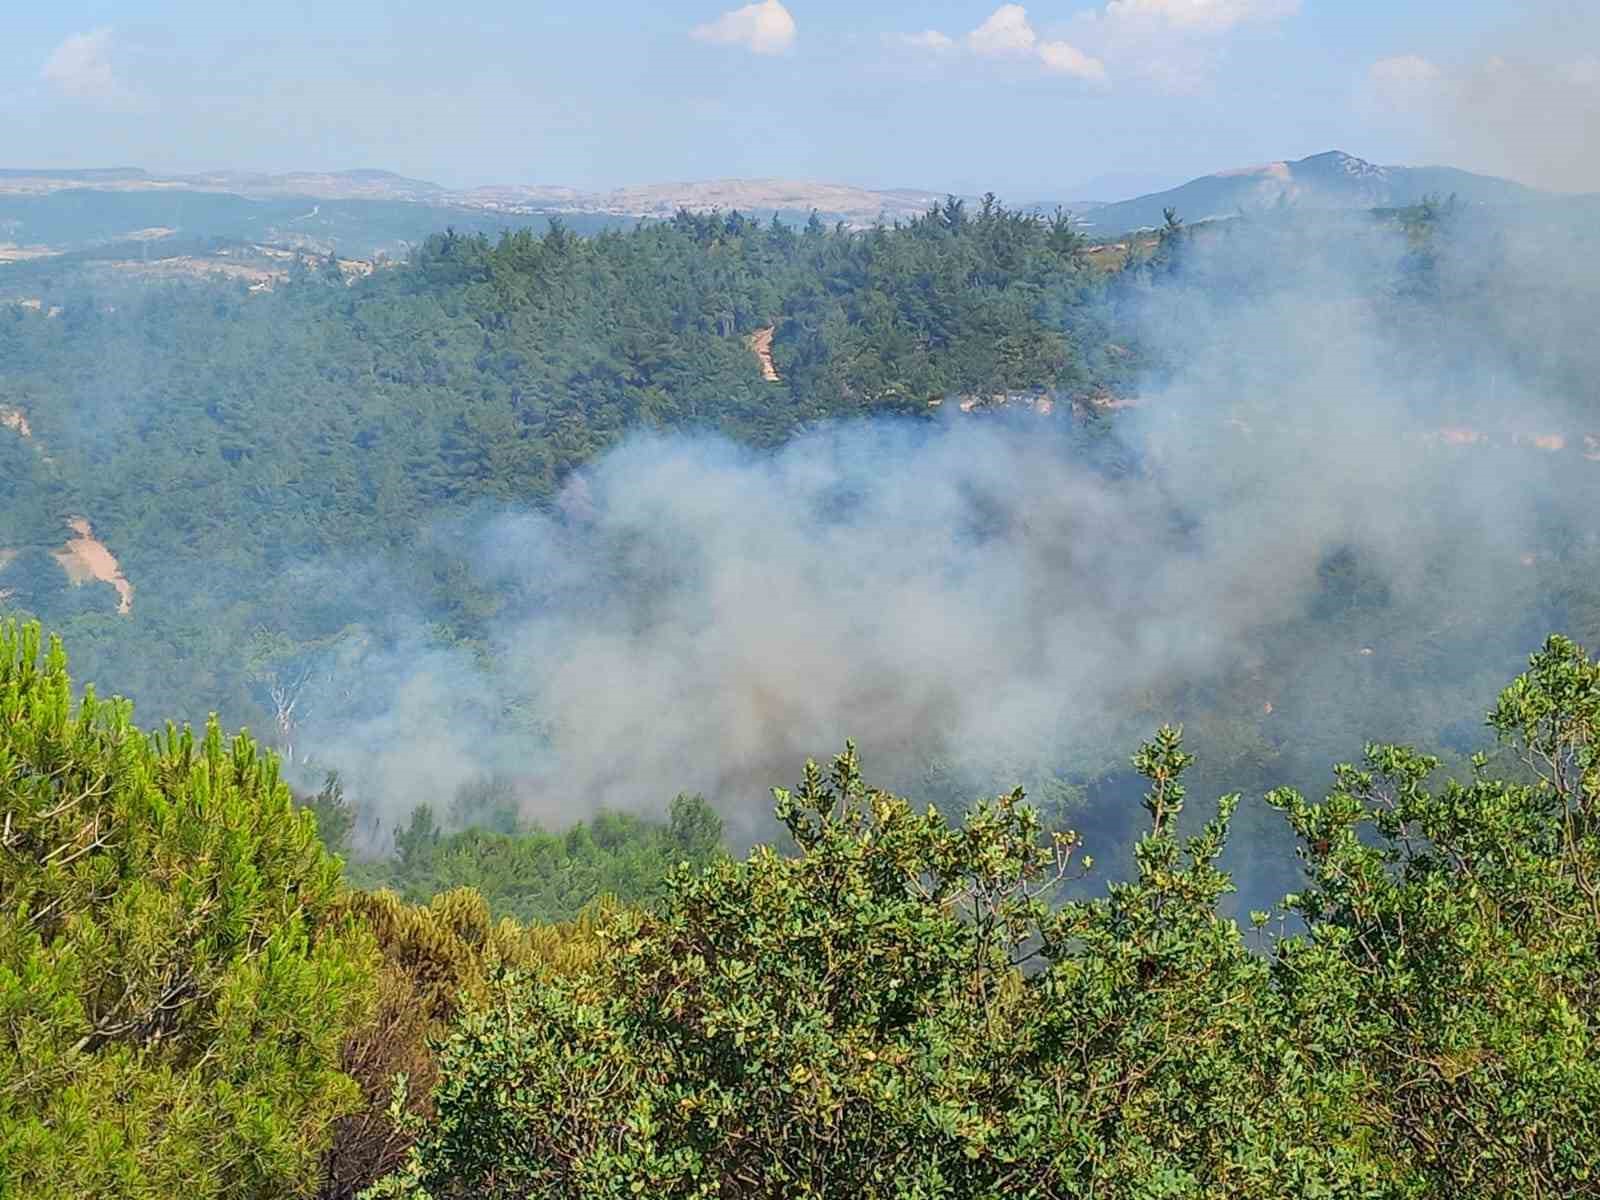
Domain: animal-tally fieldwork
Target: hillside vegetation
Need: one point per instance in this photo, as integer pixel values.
(195, 1001)
(300, 487)
(219, 440)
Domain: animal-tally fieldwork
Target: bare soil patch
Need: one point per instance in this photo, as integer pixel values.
(85, 558)
(15, 420)
(760, 343)
(11, 252)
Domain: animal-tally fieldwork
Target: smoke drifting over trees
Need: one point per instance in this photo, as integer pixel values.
(1327, 518)
(527, 520)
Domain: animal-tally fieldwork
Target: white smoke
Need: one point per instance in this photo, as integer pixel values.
(1019, 604)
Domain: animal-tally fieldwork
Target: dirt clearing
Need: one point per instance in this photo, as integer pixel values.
(15, 420)
(11, 252)
(761, 346)
(85, 559)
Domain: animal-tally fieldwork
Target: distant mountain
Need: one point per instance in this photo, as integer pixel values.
(254, 185)
(1331, 180)
(94, 175)
(757, 197)
(363, 184)
(53, 208)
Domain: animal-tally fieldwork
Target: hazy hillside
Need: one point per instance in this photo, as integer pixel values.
(339, 420)
(319, 473)
(1330, 180)
(791, 199)
(40, 225)
(361, 213)
(237, 198)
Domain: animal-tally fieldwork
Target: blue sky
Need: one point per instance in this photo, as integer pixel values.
(1033, 101)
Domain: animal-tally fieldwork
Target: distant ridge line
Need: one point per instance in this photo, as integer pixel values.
(90, 173)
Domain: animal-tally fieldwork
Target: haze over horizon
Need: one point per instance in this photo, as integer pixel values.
(1038, 100)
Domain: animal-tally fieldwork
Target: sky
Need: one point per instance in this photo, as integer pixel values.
(1048, 100)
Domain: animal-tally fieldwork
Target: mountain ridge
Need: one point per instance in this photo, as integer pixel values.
(1331, 179)
(833, 201)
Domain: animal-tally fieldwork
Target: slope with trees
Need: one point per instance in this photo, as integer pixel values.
(222, 441)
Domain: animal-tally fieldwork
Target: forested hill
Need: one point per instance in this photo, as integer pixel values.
(299, 497)
(219, 439)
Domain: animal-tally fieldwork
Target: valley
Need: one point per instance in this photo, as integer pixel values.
(304, 404)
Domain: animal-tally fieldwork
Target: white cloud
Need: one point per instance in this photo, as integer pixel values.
(1009, 34)
(81, 66)
(765, 28)
(1067, 59)
(1171, 43)
(1007, 31)
(1199, 15)
(1176, 46)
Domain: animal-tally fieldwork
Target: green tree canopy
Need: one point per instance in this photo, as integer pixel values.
(175, 983)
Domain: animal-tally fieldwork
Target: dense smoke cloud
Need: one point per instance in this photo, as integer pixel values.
(1526, 104)
(986, 600)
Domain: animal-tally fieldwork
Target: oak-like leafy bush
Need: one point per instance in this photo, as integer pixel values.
(898, 1011)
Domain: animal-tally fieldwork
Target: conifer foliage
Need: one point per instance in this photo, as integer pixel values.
(174, 986)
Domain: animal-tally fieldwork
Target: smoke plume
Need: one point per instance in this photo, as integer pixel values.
(1332, 514)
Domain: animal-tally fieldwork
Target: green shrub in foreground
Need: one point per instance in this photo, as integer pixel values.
(897, 1011)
